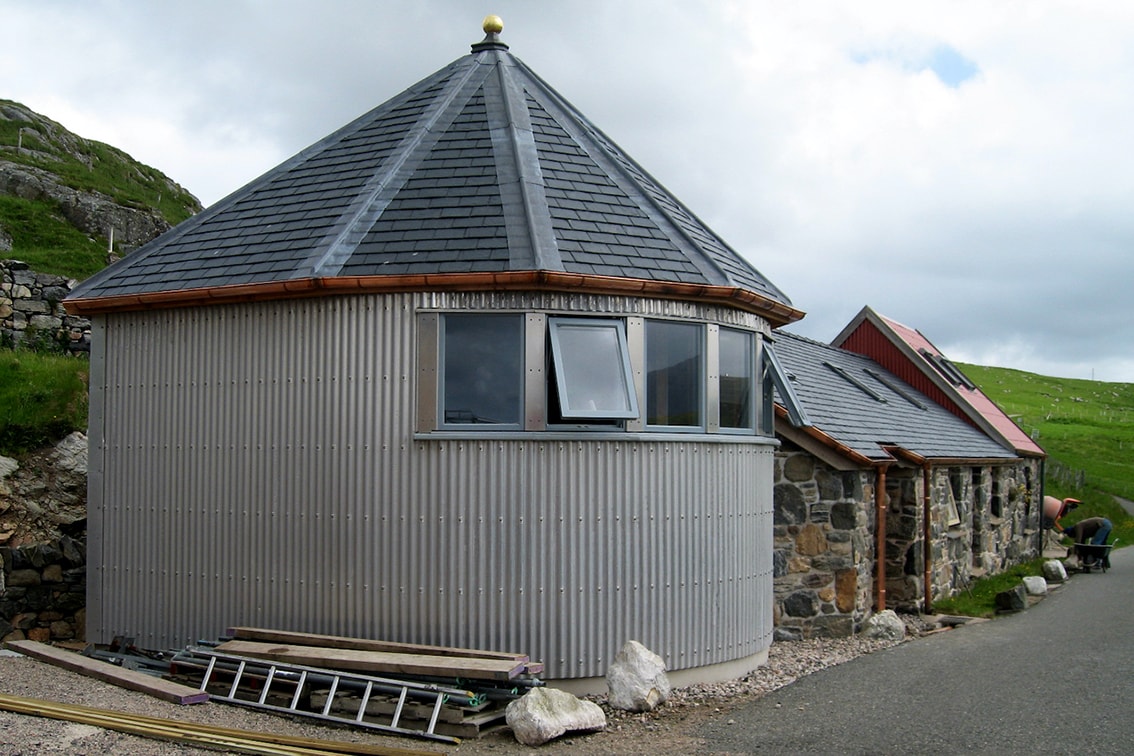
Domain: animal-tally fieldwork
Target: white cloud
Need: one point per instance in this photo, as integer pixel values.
(827, 142)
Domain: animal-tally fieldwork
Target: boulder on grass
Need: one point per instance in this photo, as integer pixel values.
(1035, 585)
(543, 714)
(1054, 571)
(637, 680)
(1012, 600)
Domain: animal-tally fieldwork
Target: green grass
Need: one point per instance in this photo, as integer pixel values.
(43, 239)
(1087, 430)
(41, 236)
(43, 397)
(980, 598)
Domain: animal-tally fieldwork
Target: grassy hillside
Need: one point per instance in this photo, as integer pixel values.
(42, 236)
(1086, 428)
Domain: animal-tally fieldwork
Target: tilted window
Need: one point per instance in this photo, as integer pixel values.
(482, 368)
(592, 369)
(675, 368)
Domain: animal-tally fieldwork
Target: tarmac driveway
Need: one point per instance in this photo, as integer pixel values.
(1056, 678)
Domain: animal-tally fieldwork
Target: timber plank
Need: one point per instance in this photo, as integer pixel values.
(363, 644)
(377, 662)
(100, 670)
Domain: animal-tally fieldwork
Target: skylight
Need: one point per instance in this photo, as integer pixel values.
(855, 382)
(893, 386)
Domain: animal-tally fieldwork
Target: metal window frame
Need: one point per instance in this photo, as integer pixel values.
(560, 361)
(797, 415)
(753, 381)
(702, 379)
(442, 368)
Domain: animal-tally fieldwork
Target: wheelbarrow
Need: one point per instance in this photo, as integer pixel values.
(1092, 555)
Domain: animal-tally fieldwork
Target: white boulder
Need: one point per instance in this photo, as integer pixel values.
(543, 714)
(637, 680)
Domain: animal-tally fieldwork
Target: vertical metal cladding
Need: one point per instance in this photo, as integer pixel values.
(261, 468)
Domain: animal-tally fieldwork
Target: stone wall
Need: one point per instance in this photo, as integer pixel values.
(43, 499)
(43, 591)
(824, 554)
(31, 310)
(983, 519)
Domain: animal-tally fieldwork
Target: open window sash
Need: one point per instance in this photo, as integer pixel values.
(592, 369)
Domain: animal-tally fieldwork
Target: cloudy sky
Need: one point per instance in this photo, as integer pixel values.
(964, 168)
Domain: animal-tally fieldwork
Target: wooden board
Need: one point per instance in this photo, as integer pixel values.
(363, 644)
(100, 670)
(378, 662)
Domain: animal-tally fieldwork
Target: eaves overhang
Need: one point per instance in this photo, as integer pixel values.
(776, 312)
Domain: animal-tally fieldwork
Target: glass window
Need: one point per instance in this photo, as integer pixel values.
(592, 369)
(736, 375)
(482, 369)
(674, 370)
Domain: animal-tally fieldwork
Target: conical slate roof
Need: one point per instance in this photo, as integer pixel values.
(480, 176)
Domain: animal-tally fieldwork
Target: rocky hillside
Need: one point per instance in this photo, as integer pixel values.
(63, 198)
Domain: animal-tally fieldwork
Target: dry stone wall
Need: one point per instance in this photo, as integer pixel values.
(43, 543)
(31, 310)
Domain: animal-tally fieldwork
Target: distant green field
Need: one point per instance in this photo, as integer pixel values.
(1087, 430)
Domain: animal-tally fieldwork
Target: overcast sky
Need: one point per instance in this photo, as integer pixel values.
(964, 168)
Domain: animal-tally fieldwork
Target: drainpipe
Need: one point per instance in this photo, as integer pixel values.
(880, 538)
(927, 545)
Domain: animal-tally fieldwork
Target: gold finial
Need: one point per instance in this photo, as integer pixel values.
(493, 24)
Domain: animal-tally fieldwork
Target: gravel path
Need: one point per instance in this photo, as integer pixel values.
(666, 731)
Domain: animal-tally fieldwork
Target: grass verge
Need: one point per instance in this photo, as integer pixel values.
(979, 599)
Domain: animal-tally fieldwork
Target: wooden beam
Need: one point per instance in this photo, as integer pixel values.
(225, 738)
(100, 670)
(378, 662)
(363, 644)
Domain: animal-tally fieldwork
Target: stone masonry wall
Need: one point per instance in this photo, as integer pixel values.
(43, 591)
(31, 309)
(824, 555)
(983, 519)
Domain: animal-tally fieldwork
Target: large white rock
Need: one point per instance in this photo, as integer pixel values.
(885, 625)
(637, 680)
(1035, 585)
(543, 714)
(1054, 571)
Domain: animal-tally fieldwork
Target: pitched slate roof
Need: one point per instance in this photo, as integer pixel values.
(909, 354)
(478, 171)
(855, 402)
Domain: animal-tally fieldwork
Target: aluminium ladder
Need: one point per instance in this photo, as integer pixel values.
(249, 671)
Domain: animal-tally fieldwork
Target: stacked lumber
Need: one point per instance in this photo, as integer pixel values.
(491, 677)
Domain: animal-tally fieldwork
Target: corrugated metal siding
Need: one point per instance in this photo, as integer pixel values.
(260, 469)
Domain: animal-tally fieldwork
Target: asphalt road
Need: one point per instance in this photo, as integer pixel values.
(1056, 678)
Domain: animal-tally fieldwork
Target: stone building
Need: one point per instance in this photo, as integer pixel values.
(874, 472)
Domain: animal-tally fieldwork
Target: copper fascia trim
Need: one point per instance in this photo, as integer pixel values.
(540, 280)
(830, 442)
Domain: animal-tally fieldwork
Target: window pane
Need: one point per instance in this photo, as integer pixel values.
(673, 373)
(592, 369)
(483, 369)
(736, 379)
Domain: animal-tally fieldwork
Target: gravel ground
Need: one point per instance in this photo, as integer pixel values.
(666, 731)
